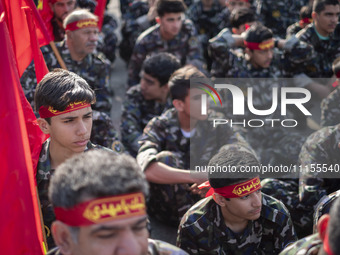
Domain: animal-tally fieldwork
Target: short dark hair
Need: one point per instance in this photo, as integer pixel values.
(241, 16)
(95, 174)
(59, 88)
(334, 227)
(170, 6)
(161, 66)
(258, 33)
(179, 82)
(306, 12)
(236, 155)
(320, 5)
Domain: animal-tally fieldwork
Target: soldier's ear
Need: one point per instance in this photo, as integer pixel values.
(178, 104)
(158, 19)
(62, 237)
(44, 126)
(219, 199)
(314, 15)
(322, 226)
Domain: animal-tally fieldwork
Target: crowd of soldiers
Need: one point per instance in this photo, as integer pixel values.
(259, 47)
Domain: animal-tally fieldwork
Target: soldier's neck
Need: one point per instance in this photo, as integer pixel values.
(74, 55)
(166, 36)
(58, 155)
(234, 223)
(185, 122)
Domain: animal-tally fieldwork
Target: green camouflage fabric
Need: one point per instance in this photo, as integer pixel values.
(155, 247)
(95, 70)
(185, 46)
(278, 15)
(136, 113)
(202, 230)
(163, 141)
(43, 176)
(325, 51)
(293, 29)
(330, 109)
(309, 245)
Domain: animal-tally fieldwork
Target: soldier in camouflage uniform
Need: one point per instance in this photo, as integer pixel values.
(278, 15)
(79, 58)
(178, 140)
(148, 99)
(324, 36)
(330, 106)
(235, 218)
(69, 128)
(305, 19)
(102, 179)
(172, 34)
(325, 242)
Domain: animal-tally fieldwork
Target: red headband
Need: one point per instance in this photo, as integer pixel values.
(81, 24)
(48, 111)
(103, 210)
(236, 190)
(305, 21)
(268, 44)
(326, 246)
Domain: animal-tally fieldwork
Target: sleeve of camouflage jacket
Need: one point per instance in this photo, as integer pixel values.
(151, 142)
(186, 239)
(330, 112)
(130, 127)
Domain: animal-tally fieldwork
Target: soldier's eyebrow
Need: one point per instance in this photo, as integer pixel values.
(115, 228)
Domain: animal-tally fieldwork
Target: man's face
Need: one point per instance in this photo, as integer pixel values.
(171, 24)
(246, 207)
(260, 58)
(151, 88)
(236, 4)
(192, 104)
(127, 236)
(62, 8)
(327, 20)
(84, 41)
(70, 132)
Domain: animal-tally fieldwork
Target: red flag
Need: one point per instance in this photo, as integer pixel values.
(99, 11)
(20, 228)
(46, 14)
(20, 33)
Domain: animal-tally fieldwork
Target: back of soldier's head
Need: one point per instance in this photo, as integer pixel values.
(258, 33)
(241, 16)
(334, 227)
(306, 12)
(320, 5)
(95, 174)
(60, 88)
(170, 6)
(80, 14)
(179, 82)
(161, 66)
(227, 165)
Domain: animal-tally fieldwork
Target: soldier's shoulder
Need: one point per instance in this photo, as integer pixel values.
(100, 59)
(307, 32)
(274, 210)
(188, 25)
(157, 247)
(323, 135)
(304, 246)
(198, 214)
(134, 91)
(147, 34)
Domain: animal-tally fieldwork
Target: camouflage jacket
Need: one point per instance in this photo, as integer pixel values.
(155, 247)
(185, 46)
(293, 29)
(202, 230)
(330, 109)
(310, 245)
(278, 15)
(136, 113)
(325, 51)
(44, 173)
(93, 68)
(321, 147)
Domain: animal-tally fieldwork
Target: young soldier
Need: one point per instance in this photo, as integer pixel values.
(99, 203)
(176, 141)
(172, 34)
(325, 241)
(148, 99)
(63, 100)
(305, 19)
(235, 218)
(78, 53)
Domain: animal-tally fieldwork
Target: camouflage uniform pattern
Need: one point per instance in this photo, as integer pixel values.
(136, 114)
(44, 173)
(163, 141)
(95, 70)
(309, 245)
(278, 15)
(330, 109)
(293, 29)
(202, 230)
(185, 46)
(155, 247)
(325, 51)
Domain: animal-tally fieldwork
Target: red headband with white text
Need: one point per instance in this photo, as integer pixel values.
(265, 45)
(81, 24)
(48, 111)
